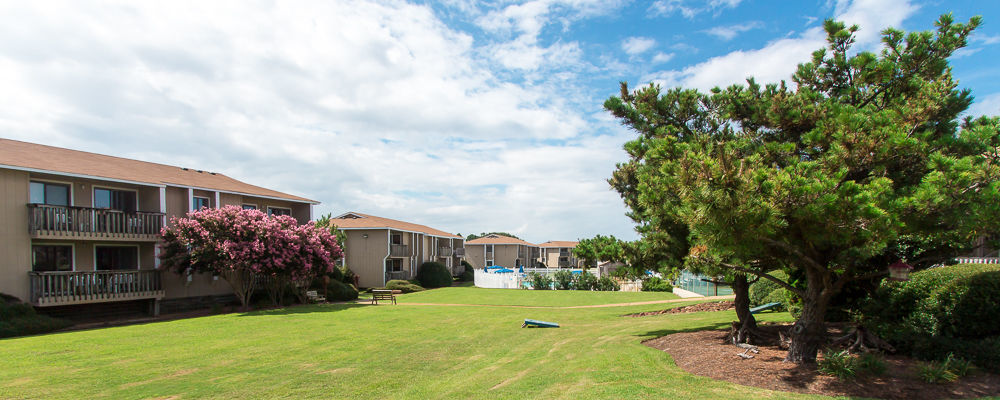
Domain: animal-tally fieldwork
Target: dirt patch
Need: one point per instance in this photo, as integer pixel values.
(710, 306)
(706, 353)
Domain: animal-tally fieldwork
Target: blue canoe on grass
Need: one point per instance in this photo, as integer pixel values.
(763, 307)
(539, 324)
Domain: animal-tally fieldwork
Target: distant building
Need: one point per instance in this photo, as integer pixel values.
(506, 251)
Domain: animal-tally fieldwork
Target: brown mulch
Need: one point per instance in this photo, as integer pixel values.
(710, 306)
(707, 353)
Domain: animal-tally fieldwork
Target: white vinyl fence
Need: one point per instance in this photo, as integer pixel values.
(490, 280)
(978, 260)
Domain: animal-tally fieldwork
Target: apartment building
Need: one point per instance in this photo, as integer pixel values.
(506, 251)
(80, 229)
(380, 249)
(559, 254)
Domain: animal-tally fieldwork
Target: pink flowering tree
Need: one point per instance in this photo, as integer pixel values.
(247, 247)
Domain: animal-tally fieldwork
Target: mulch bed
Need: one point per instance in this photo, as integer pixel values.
(710, 306)
(707, 353)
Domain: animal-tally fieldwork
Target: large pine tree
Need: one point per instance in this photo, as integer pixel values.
(860, 162)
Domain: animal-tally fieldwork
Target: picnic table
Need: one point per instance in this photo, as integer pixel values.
(384, 295)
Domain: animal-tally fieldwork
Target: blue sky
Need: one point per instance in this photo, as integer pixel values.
(465, 116)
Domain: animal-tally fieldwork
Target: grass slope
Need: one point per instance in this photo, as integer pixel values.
(357, 351)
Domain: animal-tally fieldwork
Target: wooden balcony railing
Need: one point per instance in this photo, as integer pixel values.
(55, 222)
(445, 251)
(399, 250)
(67, 288)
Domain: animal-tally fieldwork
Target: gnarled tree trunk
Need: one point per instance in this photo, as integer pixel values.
(747, 325)
(809, 332)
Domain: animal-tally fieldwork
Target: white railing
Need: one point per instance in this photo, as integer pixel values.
(978, 260)
(509, 280)
(550, 271)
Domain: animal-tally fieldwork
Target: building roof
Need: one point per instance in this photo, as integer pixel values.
(56, 160)
(356, 220)
(498, 239)
(558, 243)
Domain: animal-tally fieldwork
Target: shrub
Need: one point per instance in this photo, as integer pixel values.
(585, 281)
(872, 364)
(655, 284)
(18, 319)
(935, 372)
(403, 286)
(563, 279)
(838, 363)
(760, 290)
(348, 275)
(340, 291)
(940, 311)
(606, 284)
(434, 275)
(539, 281)
(468, 274)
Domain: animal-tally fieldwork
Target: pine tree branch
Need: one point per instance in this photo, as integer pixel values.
(795, 252)
(767, 276)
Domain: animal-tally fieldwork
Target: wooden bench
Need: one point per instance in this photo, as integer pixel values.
(384, 295)
(314, 297)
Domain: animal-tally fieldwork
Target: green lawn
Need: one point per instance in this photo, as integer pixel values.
(358, 351)
(543, 298)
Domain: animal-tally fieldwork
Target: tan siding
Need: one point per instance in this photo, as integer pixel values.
(474, 255)
(366, 256)
(505, 254)
(177, 202)
(15, 244)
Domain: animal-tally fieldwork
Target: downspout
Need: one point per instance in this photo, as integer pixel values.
(413, 253)
(388, 251)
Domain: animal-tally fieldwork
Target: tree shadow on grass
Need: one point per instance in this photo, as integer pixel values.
(302, 309)
(664, 332)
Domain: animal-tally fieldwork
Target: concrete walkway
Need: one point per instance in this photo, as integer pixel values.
(637, 303)
(686, 294)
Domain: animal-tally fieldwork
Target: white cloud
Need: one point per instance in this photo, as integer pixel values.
(666, 8)
(661, 58)
(367, 106)
(730, 32)
(988, 105)
(778, 59)
(637, 45)
(985, 39)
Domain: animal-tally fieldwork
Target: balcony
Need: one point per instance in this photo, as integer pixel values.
(489, 255)
(55, 222)
(460, 252)
(68, 288)
(564, 264)
(445, 252)
(399, 250)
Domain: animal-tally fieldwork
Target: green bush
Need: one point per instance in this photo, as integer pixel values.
(585, 281)
(434, 275)
(403, 286)
(18, 319)
(606, 284)
(763, 288)
(940, 311)
(539, 281)
(935, 372)
(468, 273)
(340, 291)
(838, 363)
(348, 275)
(655, 284)
(563, 279)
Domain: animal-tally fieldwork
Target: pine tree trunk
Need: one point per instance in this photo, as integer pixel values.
(741, 289)
(809, 331)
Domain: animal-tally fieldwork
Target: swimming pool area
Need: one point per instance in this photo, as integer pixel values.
(694, 283)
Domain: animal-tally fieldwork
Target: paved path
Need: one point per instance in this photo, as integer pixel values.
(638, 303)
(686, 294)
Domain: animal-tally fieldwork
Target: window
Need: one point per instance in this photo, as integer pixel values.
(394, 265)
(489, 263)
(198, 203)
(52, 194)
(563, 258)
(116, 257)
(279, 211)
(123, 200)
(489, 248)
(249, 207)
(397, 238)
(49, 258)
(517, 262)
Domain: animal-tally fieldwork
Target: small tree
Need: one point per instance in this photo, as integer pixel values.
(600, 248)
(243, 245)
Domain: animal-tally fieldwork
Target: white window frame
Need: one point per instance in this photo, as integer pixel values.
(269, 208)
(138, 254)
(93, 196)
(207, 200)
(255, 207)
(72, 252)
(72, 201)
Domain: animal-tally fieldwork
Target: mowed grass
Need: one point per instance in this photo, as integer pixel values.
(384, 351)
(541, 298)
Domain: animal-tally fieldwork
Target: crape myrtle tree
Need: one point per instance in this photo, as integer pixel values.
(600, 248)
(861, 162)
(244, 246)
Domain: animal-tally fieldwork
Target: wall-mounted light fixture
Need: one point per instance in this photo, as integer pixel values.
(365, 236)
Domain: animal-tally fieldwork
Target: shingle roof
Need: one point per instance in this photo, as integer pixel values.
(498, 239)
(14, 153)
(559, 243)
(360, 220)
